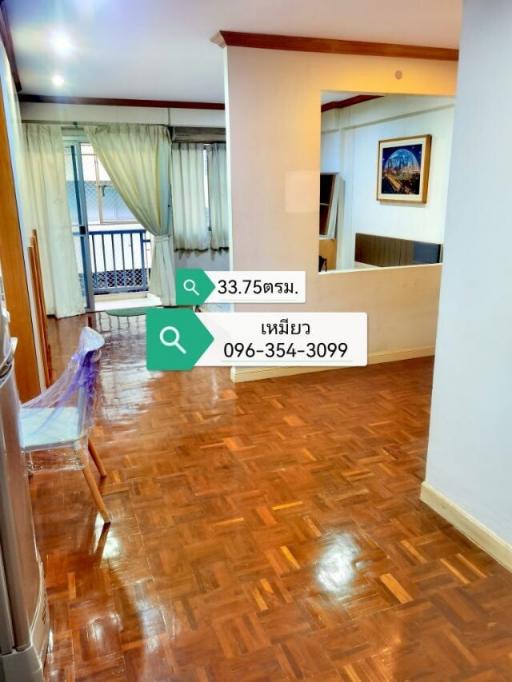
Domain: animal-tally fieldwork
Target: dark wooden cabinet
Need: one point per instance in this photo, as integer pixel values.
(388, 251)
(327, 182)
(329, 199)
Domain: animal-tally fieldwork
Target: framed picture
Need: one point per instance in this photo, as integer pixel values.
(403, 168)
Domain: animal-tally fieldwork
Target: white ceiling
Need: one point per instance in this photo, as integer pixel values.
(161, 49)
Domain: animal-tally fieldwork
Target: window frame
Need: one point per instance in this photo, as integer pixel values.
(98, 184)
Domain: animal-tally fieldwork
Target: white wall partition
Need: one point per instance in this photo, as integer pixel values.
(469, 466)
(274, 127)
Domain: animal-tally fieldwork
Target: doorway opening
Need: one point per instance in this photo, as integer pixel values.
(113, 251)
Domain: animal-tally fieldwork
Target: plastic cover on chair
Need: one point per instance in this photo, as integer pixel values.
(62, 414)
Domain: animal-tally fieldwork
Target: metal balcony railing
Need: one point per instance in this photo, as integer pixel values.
(120, 260)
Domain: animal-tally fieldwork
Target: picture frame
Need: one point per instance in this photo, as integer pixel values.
(403, 167)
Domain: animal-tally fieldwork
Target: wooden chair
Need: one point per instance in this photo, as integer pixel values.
(41, 319)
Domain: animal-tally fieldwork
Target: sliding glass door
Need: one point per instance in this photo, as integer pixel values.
(80, 226)
(113, 250)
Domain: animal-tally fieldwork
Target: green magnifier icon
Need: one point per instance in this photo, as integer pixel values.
(175, 338)
(175, 342)
(190, 286)
(193, 286)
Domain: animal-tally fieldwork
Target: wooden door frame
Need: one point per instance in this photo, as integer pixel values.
(14, 273)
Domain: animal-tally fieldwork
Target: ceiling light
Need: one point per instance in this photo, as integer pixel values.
(57, 80)
(61, 43)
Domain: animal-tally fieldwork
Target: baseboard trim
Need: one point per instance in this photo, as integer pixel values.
(241, 374)
(472, 529)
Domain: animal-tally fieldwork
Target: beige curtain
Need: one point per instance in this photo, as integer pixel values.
(137, 159)
(218, 196)
(188, 197)
(47, 211)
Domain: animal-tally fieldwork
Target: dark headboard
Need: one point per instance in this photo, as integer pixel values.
(388, 251)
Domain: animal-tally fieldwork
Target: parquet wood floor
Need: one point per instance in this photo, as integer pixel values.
(267, 531)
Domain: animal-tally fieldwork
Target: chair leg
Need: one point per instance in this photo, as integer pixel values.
(30, 465)
(89, 479)
(96, 459)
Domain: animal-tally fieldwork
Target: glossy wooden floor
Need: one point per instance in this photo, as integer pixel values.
(263, 531)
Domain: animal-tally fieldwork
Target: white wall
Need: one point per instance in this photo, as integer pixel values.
(470, 448)
(330, 154)
(93, 113)
(274, 125)
(352, 151)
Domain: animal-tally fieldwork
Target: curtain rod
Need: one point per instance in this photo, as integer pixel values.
(78, 126)
(73, 127)
(81, 124)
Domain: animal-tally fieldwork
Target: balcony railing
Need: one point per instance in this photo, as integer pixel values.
(120, 260)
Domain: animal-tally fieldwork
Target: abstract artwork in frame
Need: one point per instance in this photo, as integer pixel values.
(403, 169)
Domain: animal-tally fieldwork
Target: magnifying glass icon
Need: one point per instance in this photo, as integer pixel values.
(190, 286)
(175, 343)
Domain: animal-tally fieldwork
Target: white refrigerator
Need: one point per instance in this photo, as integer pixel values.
(23, 607)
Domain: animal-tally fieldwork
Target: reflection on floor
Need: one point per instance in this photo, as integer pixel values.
(262, 531)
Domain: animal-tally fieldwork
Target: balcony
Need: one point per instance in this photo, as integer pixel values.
(119, 259)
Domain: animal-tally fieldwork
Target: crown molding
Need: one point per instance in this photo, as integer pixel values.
(268, 41)
(113, 102)
(349, 102)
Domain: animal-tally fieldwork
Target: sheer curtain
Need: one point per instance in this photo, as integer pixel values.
(188, 197)
(336, 209)
(138, 158)
(48, 213)
(218, 196)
